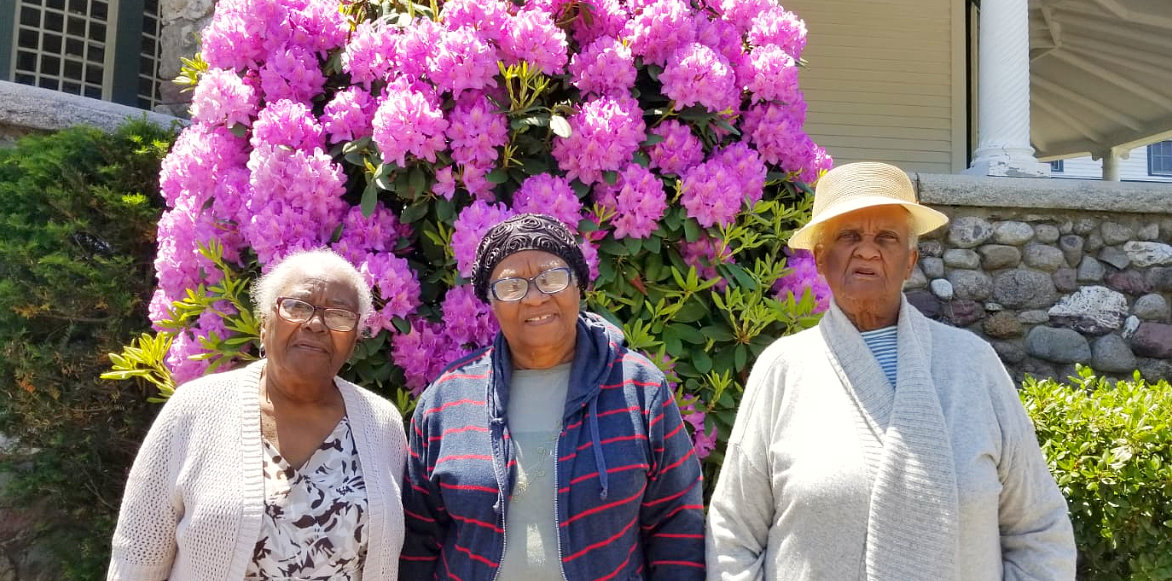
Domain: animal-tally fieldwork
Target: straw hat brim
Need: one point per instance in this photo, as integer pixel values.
(925, 219)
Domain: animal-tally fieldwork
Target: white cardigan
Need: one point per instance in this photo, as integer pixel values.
(194, 499)
(795, 497)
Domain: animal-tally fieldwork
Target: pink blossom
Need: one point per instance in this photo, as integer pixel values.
(640, 202)
(347, 116)
(473, 222)
(371, 52)
(380, 232)
(183, 367)
(200, 153)
(532, 36)
(710, 193)
(776, 131)
(476, 130)
(422, 353)
(803, 276)
(318, 26)
(487, 17)
(780, 27)
(771, 75)
(696, 74)
(462, 59)
(445, 183)
(408, 121)
(600, 18)
(549, 194)
(660, 29)
(703, 442)
(590, 253)
(679, 150)
(291, 73)
(605, 67)
(416, 48)
(742, 13)
(222, 97)
(242, 33)
(287, 123)
(747, 166)
(469, 322)
(721, 36)
(605, 133)
(395, 281)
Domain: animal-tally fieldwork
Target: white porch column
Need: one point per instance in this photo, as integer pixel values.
(1111, 166)
(1003, 94)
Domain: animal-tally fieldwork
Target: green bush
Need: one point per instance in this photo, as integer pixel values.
(1110, 448)
(78, 211)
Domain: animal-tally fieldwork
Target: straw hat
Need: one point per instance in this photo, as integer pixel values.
(855, 186)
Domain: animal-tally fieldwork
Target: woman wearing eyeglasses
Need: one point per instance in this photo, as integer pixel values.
(556, 453)
(280, 469)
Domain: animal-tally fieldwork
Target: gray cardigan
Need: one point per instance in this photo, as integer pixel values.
(797, 493)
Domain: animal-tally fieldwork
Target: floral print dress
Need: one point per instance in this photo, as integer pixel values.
(314, 522)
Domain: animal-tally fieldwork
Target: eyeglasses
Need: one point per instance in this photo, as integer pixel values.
(299, 311)
(513, 289)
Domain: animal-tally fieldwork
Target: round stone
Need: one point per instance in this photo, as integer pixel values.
(1071, 247)
(932, 266)
(1002, 325)
(1094, 242)
(1090, 270)
(1153, 307)
(942, 289)
(1155, 370)
(961, 258)
(1110, 353)
(1084, 226)
(1129, 281)
(1047, 233)
(1115, 257)
(925, 303)
(1066, 227)
(1009, 351)
(933, 248)
(1015, 233)
(1149, 232)
(1021, 288)
(972, 285)
(1153, 340)
(1057, 345)
(1033, 317)
(1065, 280)
(962, 313)
(969, 231)
(998, 256)
(1130, 326)
(1145, 254)
(1043, 257)
(1160, 278)
(1115, 233)
(1094, 310)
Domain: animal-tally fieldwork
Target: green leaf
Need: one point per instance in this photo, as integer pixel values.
(445, 210)
(369, 197)
(701, 361)
(418, 181)
(641, 158)
(692, 230)
(497, 176)
(414, 212)
(634, 245)
(652, 139)
(612, 246)
(692, 311)
(611, 177)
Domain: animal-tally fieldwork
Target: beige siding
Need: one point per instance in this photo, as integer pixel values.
(883, 78)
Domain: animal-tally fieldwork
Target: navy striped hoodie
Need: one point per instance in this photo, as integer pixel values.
(629, 501)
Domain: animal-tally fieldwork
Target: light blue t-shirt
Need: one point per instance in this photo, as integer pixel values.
(537, 400)
(884, 347)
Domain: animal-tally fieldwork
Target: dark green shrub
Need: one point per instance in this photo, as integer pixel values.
(1110, 448)
(77, 211)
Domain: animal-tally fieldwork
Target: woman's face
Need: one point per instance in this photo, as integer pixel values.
(865, 257)
(310, 351)
(541, 329)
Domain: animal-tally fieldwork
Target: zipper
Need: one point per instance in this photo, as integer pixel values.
(557, 527)
(504, 507)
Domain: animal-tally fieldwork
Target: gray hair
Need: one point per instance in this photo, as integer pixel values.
(266, 288)
(913, 237)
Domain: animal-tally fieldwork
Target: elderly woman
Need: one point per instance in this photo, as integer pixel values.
(278, 470)
(556, 453)
(881, 445)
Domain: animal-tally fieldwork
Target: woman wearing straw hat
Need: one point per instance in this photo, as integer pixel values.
(881, 445)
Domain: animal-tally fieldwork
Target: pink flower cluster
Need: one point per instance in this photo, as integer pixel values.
(604, 135)
(803, 276)
(713, 192)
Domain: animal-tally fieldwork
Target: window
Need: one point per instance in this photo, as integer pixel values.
(1160, 159)
(95, 48)
(1056, 166)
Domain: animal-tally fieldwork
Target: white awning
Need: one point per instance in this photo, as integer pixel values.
(1100, 75)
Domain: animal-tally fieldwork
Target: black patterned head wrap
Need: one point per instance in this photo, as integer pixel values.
(526, 232)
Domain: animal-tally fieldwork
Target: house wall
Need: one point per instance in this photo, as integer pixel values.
(1133, 168)
(885, 81)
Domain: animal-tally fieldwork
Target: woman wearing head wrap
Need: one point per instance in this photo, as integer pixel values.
(556, 453)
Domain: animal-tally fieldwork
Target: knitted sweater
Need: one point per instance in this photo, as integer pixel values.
(628, 504)
(194, 499)
(797, 491)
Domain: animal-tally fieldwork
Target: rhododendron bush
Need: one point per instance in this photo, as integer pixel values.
(667, 133)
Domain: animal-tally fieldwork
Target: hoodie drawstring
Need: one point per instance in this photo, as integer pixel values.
(599, 460)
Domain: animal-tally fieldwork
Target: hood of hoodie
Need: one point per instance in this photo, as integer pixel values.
(595, 352)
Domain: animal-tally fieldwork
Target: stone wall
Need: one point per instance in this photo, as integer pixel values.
(182, 21)
(1052, 272)
(25, 110)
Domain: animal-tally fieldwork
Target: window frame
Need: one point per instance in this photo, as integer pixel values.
(1163, 150)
